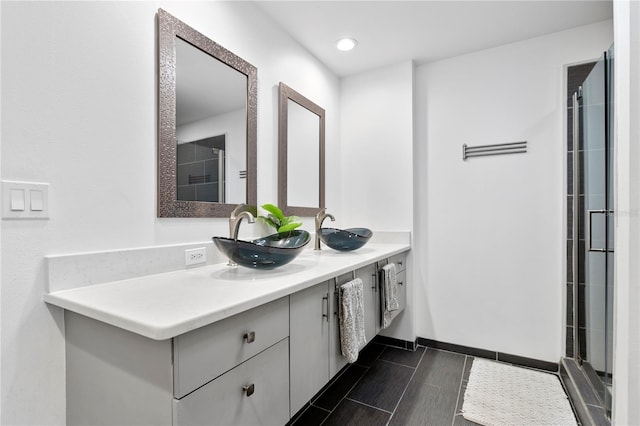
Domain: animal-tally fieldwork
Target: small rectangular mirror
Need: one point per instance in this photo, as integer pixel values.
(301, 162)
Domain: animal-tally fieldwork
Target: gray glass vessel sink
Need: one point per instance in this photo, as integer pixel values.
(267, 252)
(345, 239)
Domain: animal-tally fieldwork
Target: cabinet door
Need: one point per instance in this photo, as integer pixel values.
(371, 300)
(402, 289)
(336, 360)
(400, 261)
(309, 343)
(253, 393)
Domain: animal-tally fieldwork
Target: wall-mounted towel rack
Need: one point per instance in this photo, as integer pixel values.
(496, 149)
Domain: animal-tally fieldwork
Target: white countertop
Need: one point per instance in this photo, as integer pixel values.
(166, 305)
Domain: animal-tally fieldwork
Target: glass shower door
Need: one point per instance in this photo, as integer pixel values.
(596, 276)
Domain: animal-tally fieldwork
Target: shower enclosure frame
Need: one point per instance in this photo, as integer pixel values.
(583, 214)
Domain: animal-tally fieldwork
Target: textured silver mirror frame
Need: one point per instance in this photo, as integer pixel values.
(169, 27)
(285, 93)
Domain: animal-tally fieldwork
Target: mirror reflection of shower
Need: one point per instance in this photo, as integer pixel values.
(201, 170)
(211, 112)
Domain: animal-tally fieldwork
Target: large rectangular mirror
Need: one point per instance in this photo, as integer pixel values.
(207, 114)
(301, 162)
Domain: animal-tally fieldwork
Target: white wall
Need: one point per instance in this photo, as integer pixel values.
(377, 161)
(490, 233)
(0, 226)
(377, 135)
(79, 112)
(626, 367)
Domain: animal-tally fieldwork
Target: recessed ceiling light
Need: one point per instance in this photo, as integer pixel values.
(346, 44)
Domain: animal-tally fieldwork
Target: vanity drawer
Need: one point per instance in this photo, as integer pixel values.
(400, 260)
(207, 352)
(228, 400)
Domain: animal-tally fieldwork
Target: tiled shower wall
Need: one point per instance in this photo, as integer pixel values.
(197, 169)
(576, 75)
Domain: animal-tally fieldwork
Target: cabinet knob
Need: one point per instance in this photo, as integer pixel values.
(249, 389)
(250, 337)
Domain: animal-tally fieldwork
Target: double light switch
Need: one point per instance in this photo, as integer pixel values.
(25, 200)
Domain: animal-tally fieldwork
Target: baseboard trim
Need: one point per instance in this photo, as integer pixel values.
(494, 355)
(398, 343)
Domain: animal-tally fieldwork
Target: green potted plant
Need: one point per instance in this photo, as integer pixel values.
(278, 220)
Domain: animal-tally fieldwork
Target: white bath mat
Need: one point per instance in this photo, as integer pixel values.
(501, 394)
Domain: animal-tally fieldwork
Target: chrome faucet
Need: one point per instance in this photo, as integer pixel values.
(320, 217)
(240, 212)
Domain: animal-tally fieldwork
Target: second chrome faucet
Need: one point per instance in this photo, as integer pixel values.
(320, 217)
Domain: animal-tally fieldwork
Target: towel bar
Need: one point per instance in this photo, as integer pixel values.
(495, 149)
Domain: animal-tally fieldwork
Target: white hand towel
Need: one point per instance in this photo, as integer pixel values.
(351, 319)
(389, 293)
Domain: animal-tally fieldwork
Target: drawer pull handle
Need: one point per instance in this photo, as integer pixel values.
(400, 283)
(325, 299)
(249, 389)
(250, 337)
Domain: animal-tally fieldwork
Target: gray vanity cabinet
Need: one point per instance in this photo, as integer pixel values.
(371, 300)
(234, 371)
(260, 366)
(315, 353)
(310, 315)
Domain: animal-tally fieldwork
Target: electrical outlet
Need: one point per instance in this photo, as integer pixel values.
(195, 256)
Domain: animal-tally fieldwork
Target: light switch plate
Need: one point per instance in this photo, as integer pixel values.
(35, 202)
(16, 197)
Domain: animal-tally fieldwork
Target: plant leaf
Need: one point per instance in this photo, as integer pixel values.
(289, 223)
(289, 227)
(269, 221)
(276, 220)
(274, 210)
(290, 219)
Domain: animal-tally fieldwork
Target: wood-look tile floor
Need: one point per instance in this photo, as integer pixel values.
(392, 386)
